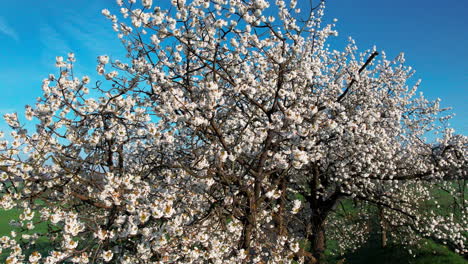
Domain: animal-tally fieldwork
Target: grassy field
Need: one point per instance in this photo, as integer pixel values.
(5, 217)
(370, 253)
(6, 228)
(429, 253)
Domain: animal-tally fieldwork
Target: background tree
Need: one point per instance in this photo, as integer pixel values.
(225, 136)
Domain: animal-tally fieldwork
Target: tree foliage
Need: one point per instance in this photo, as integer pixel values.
(227, 136)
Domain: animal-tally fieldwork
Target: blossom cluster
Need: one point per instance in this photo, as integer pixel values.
(226, 136)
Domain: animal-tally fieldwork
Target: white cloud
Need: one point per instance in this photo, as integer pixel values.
(7, 30)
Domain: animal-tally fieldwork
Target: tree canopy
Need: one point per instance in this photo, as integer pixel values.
(227, 136)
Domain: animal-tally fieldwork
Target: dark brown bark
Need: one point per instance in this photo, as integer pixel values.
(383, 228)
(247, 234)
(317, 235)
(248, 225)
(384, 236)
(281, 223)
(318, 238)
(320, 208)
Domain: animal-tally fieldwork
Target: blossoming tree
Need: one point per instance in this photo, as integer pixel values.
(225, 136)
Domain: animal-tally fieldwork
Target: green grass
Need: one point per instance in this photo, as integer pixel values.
(370, 253)
(429, 253)
(5, 228)
(433, 253)
(6, 216)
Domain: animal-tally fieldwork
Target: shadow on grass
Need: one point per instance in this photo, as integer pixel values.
(429, 253)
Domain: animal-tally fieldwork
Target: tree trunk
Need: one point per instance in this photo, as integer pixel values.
(384, 236)
(317, 235)
(383, 228)
(247, 229)
(318, 238)
(320, 209)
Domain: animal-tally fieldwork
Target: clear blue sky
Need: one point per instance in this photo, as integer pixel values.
(433, 35)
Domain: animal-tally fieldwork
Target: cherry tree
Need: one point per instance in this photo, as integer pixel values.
(227, 136)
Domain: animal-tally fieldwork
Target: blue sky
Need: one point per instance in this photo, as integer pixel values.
(433, 35)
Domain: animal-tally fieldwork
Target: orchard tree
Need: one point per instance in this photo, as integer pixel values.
(227, 135)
